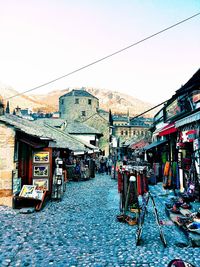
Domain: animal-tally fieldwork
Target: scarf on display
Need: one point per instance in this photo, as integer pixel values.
(142, 184)
(120, 182)
(167, 176)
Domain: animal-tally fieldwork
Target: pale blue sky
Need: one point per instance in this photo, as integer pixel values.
(44, 39)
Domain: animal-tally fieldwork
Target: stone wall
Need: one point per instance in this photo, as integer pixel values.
(71, 111)
(99, 123)
(7, 144)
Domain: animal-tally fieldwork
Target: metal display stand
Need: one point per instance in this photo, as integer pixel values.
(142, 218)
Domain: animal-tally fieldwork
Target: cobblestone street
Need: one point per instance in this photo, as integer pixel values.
(82, 230)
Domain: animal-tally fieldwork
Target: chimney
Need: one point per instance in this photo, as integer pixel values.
(8, 108)
(1, 106)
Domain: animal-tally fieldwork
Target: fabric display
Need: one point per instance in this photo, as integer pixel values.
(171, 179)
(142, 184)
(120, 182)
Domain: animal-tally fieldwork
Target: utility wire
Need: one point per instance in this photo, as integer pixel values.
(149, 110)
(108, 56)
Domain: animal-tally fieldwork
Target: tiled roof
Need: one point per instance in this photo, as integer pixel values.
(79, 93)
(119, 118)
(81, 128)
(50, 121)
(71, 128)
(58, 138)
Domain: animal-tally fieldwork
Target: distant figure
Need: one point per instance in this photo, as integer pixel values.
(109, 165)
(102, 164)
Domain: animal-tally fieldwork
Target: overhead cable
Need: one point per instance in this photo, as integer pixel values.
(106, 57)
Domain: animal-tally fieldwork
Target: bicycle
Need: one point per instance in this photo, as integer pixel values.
(142, 218)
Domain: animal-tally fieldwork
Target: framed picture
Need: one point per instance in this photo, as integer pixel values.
(41, 157)
(41, 184)
(27, 191)
(16, 182)
(41, 170)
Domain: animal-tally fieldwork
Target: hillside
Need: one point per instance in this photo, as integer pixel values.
(118, 102)
(23, 101)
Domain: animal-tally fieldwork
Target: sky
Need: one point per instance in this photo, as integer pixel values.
(41, 40)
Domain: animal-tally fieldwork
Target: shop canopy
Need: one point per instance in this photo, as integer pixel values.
(168, 129)
(155, 144)
(139, 145)
(189, 119)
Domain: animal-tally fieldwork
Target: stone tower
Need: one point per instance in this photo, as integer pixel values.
(78, 105)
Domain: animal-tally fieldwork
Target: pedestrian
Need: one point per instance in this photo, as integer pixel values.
(109, 165)
(102, 165)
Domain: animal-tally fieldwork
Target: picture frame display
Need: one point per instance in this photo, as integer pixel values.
(41, 183)
(41, 170)
(27, 191)
(41, 157)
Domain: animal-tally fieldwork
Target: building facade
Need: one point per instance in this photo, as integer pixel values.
(81, 106)
(78, 105)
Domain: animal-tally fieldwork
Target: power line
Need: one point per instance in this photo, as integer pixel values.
(106, 57)
(149, 110)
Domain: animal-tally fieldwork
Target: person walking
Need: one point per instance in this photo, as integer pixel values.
(102, 164)
(109, 165)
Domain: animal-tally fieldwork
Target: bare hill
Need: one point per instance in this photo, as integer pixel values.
(118, 102)
(23, 101)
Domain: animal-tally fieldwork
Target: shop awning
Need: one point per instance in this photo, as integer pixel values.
(168, 129)
(188, 119)
(154, 144)
(140, 144)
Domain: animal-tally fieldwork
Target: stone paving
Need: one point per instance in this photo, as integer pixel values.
(81, 230)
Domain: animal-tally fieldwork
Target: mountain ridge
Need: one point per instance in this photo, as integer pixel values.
(117, 102)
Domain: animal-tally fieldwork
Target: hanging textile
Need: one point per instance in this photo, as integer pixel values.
(119, 179)
(142, 184)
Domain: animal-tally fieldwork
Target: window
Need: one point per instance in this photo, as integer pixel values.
(126, 132)
(133, 132)
(83, 113)
(62, 101)
(76, 101)
(142, 133)
(89, 101)
(122, 132)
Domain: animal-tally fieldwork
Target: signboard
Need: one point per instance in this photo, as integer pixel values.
(196, 144)
(172, 109)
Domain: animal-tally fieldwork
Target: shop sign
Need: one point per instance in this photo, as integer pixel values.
(196, 97)
(172, 109)
(196, 144)
(188, 136)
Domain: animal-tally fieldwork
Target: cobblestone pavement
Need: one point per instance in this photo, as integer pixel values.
(82, 230)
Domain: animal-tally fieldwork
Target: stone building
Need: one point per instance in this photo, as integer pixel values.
(81, 106)
(78, 105)
(126, 128)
